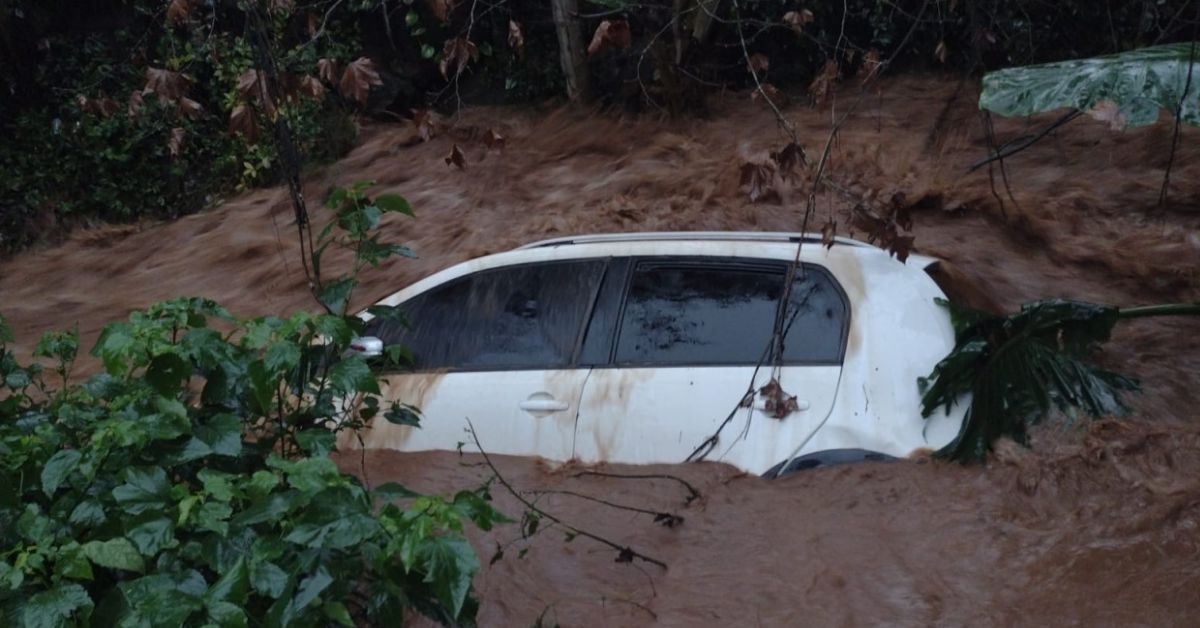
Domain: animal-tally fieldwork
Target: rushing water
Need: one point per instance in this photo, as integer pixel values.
(1095, 527)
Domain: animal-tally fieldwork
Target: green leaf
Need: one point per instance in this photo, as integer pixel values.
(233, 586)
(89, 514)
(403, 414)
(263, 384)
(449, 563)
(268, 579)
(217, 484)
(145, 489)
(58, 607)
(353, 374)
(427, 51)
(411, 18)
(165, 599)
(57, 468)
(393, 491)
(73, 563)
(316, 442)
(118, 553)
(111, 347)
(334, 294)
(1138, 82)
(151, 537)
(167, 373)
(282, 356)
(394, 203)
(343, 532)
(227, 615)
(338, 613)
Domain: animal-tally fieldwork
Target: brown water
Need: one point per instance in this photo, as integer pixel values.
(1090, 529)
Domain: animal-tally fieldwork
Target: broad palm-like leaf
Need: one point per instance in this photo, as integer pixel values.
(1017, 369)
(1138, 82)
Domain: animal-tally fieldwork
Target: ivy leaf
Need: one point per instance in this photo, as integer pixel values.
(89, 513)
(57, 607)
(233, 586)
(114, 342)
(316, 442)
(353, 375)
(449, 563)
(268, 579)
(153, 536)
(73, 563)
(145, 489)
(118, 553)
(57, 468)
(334, 294)
(282, 356)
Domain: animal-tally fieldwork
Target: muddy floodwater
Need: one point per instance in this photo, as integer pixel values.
(1096, 526)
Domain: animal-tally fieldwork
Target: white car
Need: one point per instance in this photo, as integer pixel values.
(661, 347)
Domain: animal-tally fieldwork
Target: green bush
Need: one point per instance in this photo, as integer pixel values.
(189, 483)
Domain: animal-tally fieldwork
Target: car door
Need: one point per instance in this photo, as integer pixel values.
(679, 344)
(497, 347)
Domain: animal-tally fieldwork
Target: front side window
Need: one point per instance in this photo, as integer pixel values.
(521, 317)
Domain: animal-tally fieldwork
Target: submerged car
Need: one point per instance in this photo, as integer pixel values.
(662, 347)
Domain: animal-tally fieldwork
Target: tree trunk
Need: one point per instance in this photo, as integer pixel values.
(571, 50)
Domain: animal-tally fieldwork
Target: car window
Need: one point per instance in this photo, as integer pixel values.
(816, 320)
(520, 317)
(698, 314)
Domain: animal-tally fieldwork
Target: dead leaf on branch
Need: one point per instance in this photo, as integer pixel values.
(175, 143)
(822, 86)
(758, 63)
(135, 103)
(870, 65)
(311, 86)
(314, 24)
(104, 107)
(242, 122)
(442, 9)
(759, 180)
(797, 20)
(777, 403)
(180, 11)
(493, 140)
(788, 160)
(327, 70)
(358, 78)
(166, 84)
(941, 52)
(772, 94)
(610, 35)
(252, 87)
(516, 39)
(891, 231)
(456, 53)
(1108, 112)
(426, 123)
(828, 233)
(456, 158)
(190, 109)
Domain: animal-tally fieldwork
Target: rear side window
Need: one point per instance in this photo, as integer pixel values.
(520, 317)
(816, 320)
(694, 315)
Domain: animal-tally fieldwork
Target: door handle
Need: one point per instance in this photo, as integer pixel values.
(541, 404)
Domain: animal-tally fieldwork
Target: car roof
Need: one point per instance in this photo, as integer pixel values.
(689, 236)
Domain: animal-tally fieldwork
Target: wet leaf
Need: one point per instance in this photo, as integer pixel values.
(242, 122)
(610, 35)
(118, 553)
(358, 78)
(456, 158)
(455, 55)
(311, 86)
(777, 403)
(759, 178)
(493, 140)
(758, 63)
(769, 92)
(870, 65)
(821, 87)
(190, 109)
(426, 123)
(789, 160)
(58, 606)
(166, 84)
(442, 9)
(516, 39)
(57, 468)
(175, 143)
(252, 87)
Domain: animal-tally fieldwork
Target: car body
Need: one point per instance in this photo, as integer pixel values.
(638, 348)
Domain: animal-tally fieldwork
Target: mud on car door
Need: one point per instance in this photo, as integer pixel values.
(677, 342)
(498, 347)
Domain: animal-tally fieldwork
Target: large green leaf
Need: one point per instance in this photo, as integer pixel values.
(1018, 369)
(1139, 82)
(57, 606)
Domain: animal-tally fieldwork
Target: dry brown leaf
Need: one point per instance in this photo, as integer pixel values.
(870, 65)
(769, 91)
(758, 63)
(758, 178)
(442, 9)
(788, 160)
(242, 122)
(941, 52)
(777, 403)
(252, 87)
(426, 123)
(311, 86)
(797, 20)
(314, 24)
(516, 39)
(822, 86)
(180, 11)
(493, 140)
(175, 144)
(358, 78)
(327, 70)
(190, 109)
(166, 84)
(455, 54)
(610, 34)
(135, 103)
(828, 233)
(456, 158)
(1108, 112)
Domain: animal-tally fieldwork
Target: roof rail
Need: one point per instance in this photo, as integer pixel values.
(710, 236)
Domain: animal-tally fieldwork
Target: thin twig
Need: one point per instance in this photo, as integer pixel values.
(605, 502)
(625, 553)
(1187, 87)
(1008, 149)
(693, 494)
